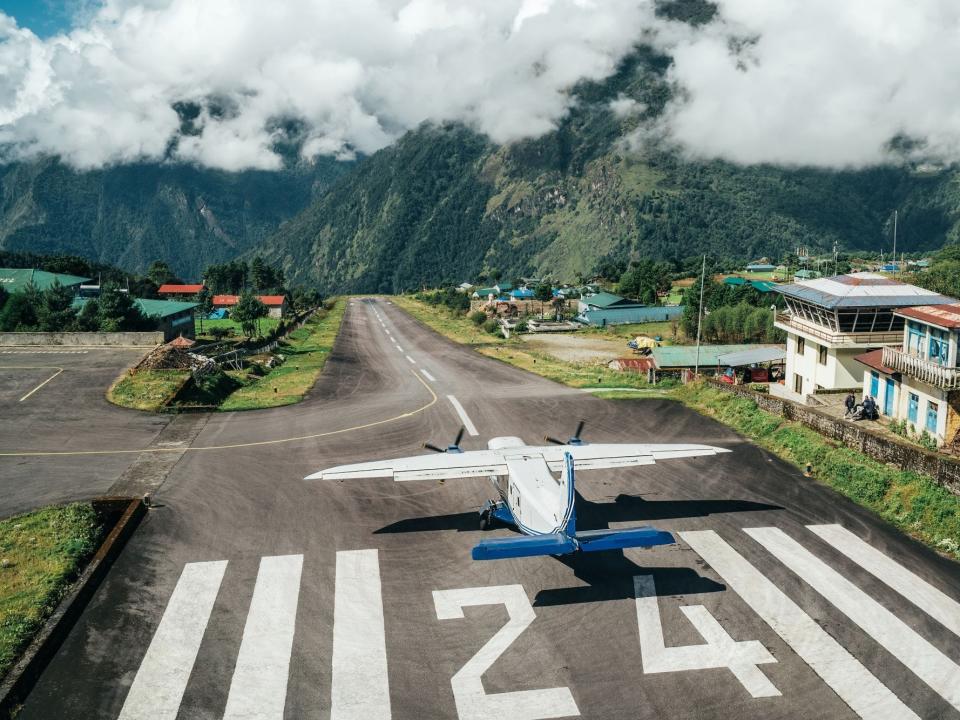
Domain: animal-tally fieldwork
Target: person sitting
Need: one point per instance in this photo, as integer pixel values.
(870, 408)
(850, 403)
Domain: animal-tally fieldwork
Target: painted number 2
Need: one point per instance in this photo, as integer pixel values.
(473, 703)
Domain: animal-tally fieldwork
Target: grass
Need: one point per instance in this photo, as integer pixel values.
(626, 332)
(41, 553)
(455, 326)
(305, 351)
(267, 325)
(912, 502)
(148, 389)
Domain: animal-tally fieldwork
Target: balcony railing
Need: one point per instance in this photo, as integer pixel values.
(792, 322)
(947, 378)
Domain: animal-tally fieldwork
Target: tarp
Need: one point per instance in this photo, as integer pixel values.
(751, 357)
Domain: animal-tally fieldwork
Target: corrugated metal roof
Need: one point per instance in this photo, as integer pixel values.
(635, 364)
(945, 316)
(861, 290)
(16, 279)
(874, 359)
(676, 356)
(163, 308)
(179, 289)
(607, 300)
(754, 355)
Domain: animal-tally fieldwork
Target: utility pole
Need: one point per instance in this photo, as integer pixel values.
(703, 278)
(895, 213)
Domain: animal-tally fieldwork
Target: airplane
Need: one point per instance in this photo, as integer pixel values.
(533, 499)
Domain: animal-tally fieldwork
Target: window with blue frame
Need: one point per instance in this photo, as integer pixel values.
(933, 410)
(939, 347)
(913, 407)
(915, 336)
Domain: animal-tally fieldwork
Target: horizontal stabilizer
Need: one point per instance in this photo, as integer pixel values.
(524, 546)
(597, 540)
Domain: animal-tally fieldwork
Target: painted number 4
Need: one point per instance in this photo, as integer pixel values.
(720, 650)
(473, 703)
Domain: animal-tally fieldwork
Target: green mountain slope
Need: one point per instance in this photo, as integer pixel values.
(443, 204)
(133, 214)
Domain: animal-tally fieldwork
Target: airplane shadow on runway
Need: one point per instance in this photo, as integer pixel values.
(609, 575)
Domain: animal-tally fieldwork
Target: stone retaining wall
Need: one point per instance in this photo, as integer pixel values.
(941, 468)
(82, 339)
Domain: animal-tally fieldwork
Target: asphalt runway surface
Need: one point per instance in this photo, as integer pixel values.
(249, 593)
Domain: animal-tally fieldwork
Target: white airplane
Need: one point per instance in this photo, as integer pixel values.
(532, 499)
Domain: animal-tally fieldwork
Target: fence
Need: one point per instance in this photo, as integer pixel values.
(943, 470)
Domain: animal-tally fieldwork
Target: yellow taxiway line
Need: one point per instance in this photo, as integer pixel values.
(279, 441)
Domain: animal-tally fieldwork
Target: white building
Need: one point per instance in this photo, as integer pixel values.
(830, 321)
(919, 380)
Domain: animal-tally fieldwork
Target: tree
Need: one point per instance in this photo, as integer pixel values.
(19, 313)
(3, 297)
(55, 312)
(259, 274)
(205, 300)
(159, 273)
(543, 292)
(88, 319)
(118, 313)
(248, 311)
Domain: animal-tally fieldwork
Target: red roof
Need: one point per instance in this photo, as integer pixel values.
(182, 342)
(271, 299)
(945, 316)
(219, 300)
(180, 289)
(874, 359)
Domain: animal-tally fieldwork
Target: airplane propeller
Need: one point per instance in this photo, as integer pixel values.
(575, 440)
(453, 448)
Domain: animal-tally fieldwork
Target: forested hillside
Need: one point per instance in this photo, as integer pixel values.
(132, 214)
(443, 204)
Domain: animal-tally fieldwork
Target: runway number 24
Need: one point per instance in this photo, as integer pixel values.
(473, 702)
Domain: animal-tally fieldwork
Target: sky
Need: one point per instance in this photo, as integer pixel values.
(811, 83)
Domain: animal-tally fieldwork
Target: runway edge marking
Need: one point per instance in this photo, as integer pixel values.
(857, 687)
(464, 418)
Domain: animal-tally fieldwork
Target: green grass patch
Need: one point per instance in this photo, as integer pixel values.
(305, 351)
(41, 553)
(912, 502)
(453, 325)
(148, 389)
(267, 326)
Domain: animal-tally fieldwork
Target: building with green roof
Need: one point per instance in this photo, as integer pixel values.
(605, 308)
(173, 317)
(17, 279)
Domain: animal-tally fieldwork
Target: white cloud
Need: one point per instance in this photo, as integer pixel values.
(818, 82)
(355, 74)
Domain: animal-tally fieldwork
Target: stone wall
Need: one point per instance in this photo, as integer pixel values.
(906, 456)
(82, 339)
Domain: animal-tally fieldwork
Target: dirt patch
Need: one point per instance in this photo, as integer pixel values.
(576, 348)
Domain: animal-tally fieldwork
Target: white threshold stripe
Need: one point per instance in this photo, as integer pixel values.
(427, 375)
(855, 685)
(41, 385)
(158, 687)
(259, 685)
(464, 418)
(935, 603)
(360, 688)
(412, 361)
(927, 662)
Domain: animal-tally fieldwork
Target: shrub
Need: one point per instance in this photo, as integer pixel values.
(926, 441)
(521, 326)
(478, 317)
(492, 326)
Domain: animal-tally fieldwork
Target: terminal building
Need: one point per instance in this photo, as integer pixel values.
(829, 322)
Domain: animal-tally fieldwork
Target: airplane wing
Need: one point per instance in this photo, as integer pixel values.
(613, 455)
(435, 466)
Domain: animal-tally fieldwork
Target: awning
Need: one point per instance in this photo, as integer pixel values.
(751, 357)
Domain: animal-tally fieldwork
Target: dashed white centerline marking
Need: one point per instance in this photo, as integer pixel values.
(360, 687)
(926, 661)
(427, 375)
(464, 418)
(159, 684)
(259, 685)
(855, 685)
(398, 347)
(412, 361)
(913, 588)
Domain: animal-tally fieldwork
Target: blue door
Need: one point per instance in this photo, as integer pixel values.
(888, 398)
(874, 384)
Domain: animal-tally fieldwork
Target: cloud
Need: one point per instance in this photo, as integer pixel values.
(817, 82)
(220, 82)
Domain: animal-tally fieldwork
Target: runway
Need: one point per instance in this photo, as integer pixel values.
(249, 593)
